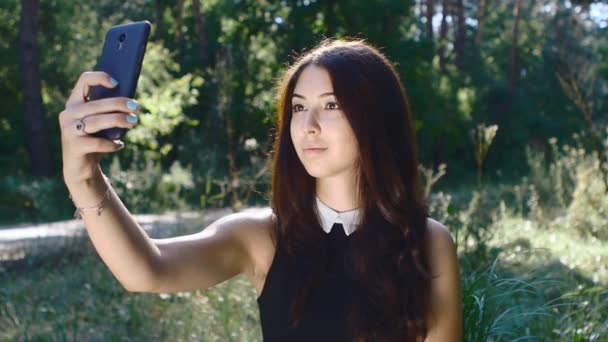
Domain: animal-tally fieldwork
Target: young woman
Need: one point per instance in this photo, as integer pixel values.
(346, 251)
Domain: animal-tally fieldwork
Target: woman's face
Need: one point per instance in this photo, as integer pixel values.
(319, 122)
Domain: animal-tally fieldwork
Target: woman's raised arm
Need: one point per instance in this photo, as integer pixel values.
(138, 262)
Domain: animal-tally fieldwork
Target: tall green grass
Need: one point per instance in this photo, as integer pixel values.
(73, 296)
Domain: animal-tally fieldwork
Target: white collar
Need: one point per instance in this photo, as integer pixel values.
(327, 217)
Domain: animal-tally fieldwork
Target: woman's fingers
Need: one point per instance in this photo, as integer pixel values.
(77, 107)
(97, 122)
(112, 104)
(91, 144)
(83, 86)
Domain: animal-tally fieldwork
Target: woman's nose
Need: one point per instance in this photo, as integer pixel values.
(311, 124)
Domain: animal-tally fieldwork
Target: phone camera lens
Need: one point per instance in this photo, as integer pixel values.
(122, 37)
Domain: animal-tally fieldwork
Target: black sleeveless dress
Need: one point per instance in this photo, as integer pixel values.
(324, 318)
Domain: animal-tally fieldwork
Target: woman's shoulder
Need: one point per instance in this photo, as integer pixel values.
(439, 242)
(250, 220)
(437, 232)
(255, 225)
(445, 318)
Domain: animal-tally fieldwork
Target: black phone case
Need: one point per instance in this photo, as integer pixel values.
(122, 56)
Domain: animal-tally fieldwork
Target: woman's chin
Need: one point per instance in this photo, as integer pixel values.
(319, 171)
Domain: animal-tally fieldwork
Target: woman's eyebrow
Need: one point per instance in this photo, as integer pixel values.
(302, 97)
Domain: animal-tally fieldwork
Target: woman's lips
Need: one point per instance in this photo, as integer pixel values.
(314, 150)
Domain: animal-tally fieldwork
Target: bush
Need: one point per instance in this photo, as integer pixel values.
(24, 199)
(571, 186)
(588, 211)
(151, 190)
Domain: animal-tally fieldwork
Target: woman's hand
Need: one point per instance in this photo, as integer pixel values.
(81, 152)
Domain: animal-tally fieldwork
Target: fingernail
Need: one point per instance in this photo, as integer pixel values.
(132, 118)
(114, 82)
(132, 104)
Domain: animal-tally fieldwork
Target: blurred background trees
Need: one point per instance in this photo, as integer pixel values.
(535, 69)
(509, 99)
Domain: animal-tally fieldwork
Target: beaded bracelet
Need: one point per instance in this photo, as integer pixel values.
(99, 207)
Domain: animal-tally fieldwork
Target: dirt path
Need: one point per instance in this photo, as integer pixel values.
(19, 241)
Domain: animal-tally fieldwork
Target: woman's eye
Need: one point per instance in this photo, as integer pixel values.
(330, 106)
(333, 105)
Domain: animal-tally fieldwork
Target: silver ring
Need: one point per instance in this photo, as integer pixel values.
(80, 126)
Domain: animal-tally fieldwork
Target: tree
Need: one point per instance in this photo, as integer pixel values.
(430, 12)
(36, 131)
(200, 31)
(513, 69)
(508, 102)
(443, 35)
(329, 16)
(460, 34)
(482, 10)
(179, 8)
(158, 13)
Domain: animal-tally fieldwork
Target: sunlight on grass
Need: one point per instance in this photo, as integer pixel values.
(589, 256)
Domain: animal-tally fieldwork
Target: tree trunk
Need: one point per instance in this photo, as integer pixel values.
(200, 31)
(36, 132)
(459, 39)
(513, 65)
(329, 16)
(481, 16)
(389, 25)
(297, 26)
(158, 12)
(430, 12)
(180, 35)
(231, 155)
(225, 64)
(513, 71)
(443, 36)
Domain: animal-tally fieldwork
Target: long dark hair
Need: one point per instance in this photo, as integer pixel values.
(392, 271)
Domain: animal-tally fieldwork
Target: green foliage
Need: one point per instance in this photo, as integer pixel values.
(163, 98)
(571, 185)
(247, 46)
(499, 306)
(524, 274)
(152, 189)
(588, 211)
(26, 199)
(73, 296)
(205, 130)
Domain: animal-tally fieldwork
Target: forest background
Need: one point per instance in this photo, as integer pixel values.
(509, 100)
(536, 69)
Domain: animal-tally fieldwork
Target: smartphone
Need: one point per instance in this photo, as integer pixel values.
(122, 56)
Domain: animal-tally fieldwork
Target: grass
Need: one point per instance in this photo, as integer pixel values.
(517, 288)
(534, 298)
(524, 243)
(74, 297)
